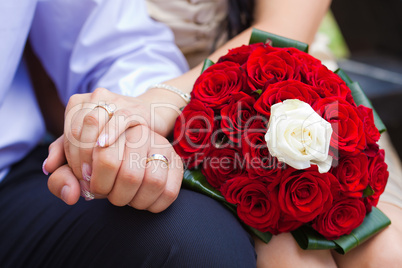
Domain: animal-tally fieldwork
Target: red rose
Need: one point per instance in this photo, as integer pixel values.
(192, 133)
(305, 194)
(259, 161)
(263, 68)
(222, 165)
(307, 61)
(345, 215)
(236, 115)
(216, 84)
(256, 206)
(378, 177)
(281, 91)
(329, 84)
(348, 131)
(372, 149)
(286, 224)
(240, 54)
(371, 131)
(352, 174)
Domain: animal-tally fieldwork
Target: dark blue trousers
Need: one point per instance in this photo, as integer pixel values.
(39, 230)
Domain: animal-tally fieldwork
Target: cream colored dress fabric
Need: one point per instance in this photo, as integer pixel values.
(198, 24)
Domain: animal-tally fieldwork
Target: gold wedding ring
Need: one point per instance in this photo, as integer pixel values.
(159, 157)
(107, 108)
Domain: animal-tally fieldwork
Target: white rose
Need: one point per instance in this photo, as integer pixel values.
(298, 136)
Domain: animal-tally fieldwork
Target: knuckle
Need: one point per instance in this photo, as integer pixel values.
(107, 161)
(155, 180)
(75, 132)
(138, 205)
(124, 113)
(99, 93)
(170, 195)
(91, 119)
(53, 146)
(115, 200)
(74, 99)
(156, 209)
(132, 178)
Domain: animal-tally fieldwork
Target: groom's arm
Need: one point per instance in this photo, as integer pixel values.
(88, 44)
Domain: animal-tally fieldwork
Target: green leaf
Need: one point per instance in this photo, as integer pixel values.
(308, 238)
(344, 76)
(264, 237)
(361, 99)
(368, 191)
(258, 36)
(207, 64)
(194, 180)
(258, 91)
(374, 222)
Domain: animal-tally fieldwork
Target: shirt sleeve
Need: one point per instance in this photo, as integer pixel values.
(87, 44)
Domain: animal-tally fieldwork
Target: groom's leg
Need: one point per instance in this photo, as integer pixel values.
(39, 230)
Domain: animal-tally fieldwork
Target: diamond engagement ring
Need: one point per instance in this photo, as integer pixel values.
(107, 108)
(159, 157)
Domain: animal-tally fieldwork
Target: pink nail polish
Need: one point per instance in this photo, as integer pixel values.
(44, 169)
(102, 140)
(85, 191)
(86, 172)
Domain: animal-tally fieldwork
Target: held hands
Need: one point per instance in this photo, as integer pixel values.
(109, 154)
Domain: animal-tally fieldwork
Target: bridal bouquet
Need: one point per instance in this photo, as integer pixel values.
(284, 142)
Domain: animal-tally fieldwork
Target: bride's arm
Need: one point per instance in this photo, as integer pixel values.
(296, 19)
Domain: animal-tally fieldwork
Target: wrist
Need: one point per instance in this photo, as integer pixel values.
(164, 108)
(185, 96)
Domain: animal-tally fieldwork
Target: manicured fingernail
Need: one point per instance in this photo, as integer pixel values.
(85, 191)
(64, 193)
(102, 140)
(86, 172)
(87, 195)
(44, 169)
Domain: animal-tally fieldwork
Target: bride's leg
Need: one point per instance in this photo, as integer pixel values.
(283, 251)
(383, 250)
